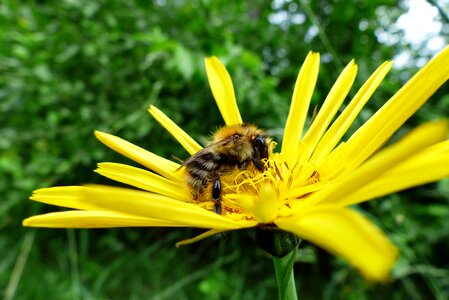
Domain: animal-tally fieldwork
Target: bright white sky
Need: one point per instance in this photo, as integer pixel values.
(420, 24)
(421, 27)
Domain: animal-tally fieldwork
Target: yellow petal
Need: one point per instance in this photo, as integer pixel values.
(91, 219)
(150, 160)
(294, 152)
(243, 201)
(136, 203)
(418, 139)
(417, 170)
(330, 106)
(344, 121)
(348, 234)
(221, 85)
(199, 237)
(296, 192)
(302, 94)
(180, 135)
(265, 210)
(64, 196)
(143, 179)
(438, 148)
(380, 127)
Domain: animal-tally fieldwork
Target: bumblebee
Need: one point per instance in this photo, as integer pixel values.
(233, 147)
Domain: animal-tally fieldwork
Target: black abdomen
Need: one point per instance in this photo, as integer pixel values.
(202, 168)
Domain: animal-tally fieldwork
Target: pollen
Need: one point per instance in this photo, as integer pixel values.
(262, 196)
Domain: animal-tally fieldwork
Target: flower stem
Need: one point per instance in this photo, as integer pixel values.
(285, 276)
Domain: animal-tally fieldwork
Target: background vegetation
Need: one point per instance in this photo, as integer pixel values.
(70, 67)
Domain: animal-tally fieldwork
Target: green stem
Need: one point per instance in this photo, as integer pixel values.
(285, 276)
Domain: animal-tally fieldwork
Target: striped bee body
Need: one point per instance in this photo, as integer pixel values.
(233, 147)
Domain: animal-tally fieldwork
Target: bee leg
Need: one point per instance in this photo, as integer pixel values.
(256, 160)
(216, 195)
(217, 208)
(258, 164)
(243, 165)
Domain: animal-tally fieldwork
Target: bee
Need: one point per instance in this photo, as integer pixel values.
(233, 147)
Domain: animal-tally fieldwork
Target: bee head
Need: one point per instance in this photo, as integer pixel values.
(260, 145)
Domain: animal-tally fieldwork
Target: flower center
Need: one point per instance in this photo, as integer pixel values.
(244, 190)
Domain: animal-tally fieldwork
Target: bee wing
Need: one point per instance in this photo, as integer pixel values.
(207, 153)
(196, 155)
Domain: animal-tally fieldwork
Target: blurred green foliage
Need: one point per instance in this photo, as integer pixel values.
(70, 67)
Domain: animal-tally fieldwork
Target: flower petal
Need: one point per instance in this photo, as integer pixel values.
(158, 164)
(380, 127)
(221, 85)
(330, 107)
(348, 234)
(438, 148)
(64, 196)
(180, 135)
(418, 139)
(338, 128)
(262, 207)
(91, 219)
(265, 210)
(143, 179)
(137, 203)
(417, 170)
(199, 237)
(302, 94)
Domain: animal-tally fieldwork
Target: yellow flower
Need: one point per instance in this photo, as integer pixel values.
(307, 186)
